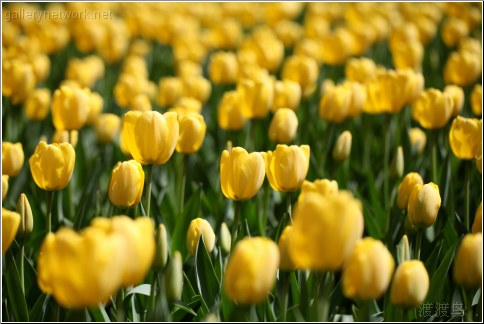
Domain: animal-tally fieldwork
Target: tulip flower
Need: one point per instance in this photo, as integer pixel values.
(65, 136)
(12, 158)
(197, 87)
(107, 128)
(37, 105)
(321, 186)
(465, 137)
(432, 109)
(398, 163)
(424, 204)
(10, 224)
(126, 184)
(287, 167)
(476, 100)
(174, 277)
(418, 139)
(4, 186)
(360, 69)
(96, 103)
(192, 133)
(477, 225)
(161, 256)
(408, 55)
(339, 50)
(200, 228)
(18, 80)
(283, 126)
(149, 136)
(410, 284)
(406, 187)
(169, 90)
(70, 108)
(85, 71)
(26, 218)
(303, 70)
(368, 270)
(457, 95)
(468, 262)
(230, 114)
(462, 68)
(342, 147)
(223, 68)
(285, 262)
(287, 94)
(266, 47)
(251, 270)
(335, 104)
(257, 95)
(453, 30)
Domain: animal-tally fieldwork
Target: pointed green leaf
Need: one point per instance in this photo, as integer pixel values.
(207, 282)
(15, 294)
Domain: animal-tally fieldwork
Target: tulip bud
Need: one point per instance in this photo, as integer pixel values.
(251, 270)
(51, 165)
(287, 167)
(342, 148)
(26, 218)
(432, 109)
(12, 158)
(70, 108)
(107, 128)
(410, 284)
(403, 250)
(192, 133)
(126, 184)
(37, 105)
(65, 136)
(397, 163)
(285, 262)
(212, 318)
(225, 238)
(457, 95)
(10, 225)
(405, 188)
(468, 262)
(223, 68)
(476, 100)
(241, 173)
(4, 186)
(368, 270)
(230, 113)
(287, 94)
(174, 278)
(161, 256)
(465, 137)
(477, 225)
(418, 139)
(283, 126)
(424, 204)
(200, 228)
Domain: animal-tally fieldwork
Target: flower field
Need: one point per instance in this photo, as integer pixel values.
(242, 161)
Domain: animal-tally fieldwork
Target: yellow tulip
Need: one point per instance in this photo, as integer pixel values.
(267, 48)
(335, 103)
(135, 65)
(197, 87)
(326, 229)
(453, 30)
(303, 70)
(287, 167)
(257, 95)
(96, 103)
(251, 270)
(432, 109)
(230, 114)
(360, 69)
(289, 32)
(476, 100)
(65, 136)
(321, 186)
(26, 218)
(404, 32)
(368, 270)
(477, 225)
(12, 158)
(187, 104)
(85, 71)
(52, 165)
(198, 228)
(188, 68)
(18, 80)
(37, 105)
(161, 256)
(285, 263)
(70, 108)
(4, 186)
(408, 55)
(107, 128)
(149, 136)
(169, 90)
(468, 262)
(223, 68)
(10, 224)
(287, 94)
(410, 284)
(283, 126)
(465, 137)
(424, 204)
(342, 147)
(457, 95)
(174, 277)
(418, 139)
(137, 244)
(225, 238)
(341, 44)
(80, 270)
(405, 188)
(192, 133)
(462, 68)
(126, 184)
(130, 87)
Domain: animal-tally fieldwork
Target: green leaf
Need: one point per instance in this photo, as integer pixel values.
(294, 288)
(99, 314)
(183, 307)
(37, 312)
(144, 289)
(134, 312)
(207, 282)
(191, 210)
(433, 259)
(15, 294)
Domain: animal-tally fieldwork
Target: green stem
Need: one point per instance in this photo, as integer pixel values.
(120, 315)
(434, 157)
(467, 183)
(327, 139)
(238, 205)
(288, 207)
(364, 311)
(182, 184)
(153, 291)
(386, 156)
(418, 244)
(50, 195)
(285, 296)
(468, 302)
(22, 267)
(149, 169)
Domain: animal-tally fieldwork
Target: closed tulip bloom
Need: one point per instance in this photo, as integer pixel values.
(410, 284)
(70, 108)
(453, 30)
(468, 262)
(174, 277)
(303, 70)
(341, 44)
(169, 90)
(126, 184)
(10, 224)
(12, 158)
(476, 100)
(107, 128)
(65, 136)
(199, 228)
(360, 69)
(368, 270)
(285, 262)
(283, 126)
(457, 95)
(161, 256)
(4, 186)
(477, 225)
(432, 109)
(51, 165)
(251, 270)
(418, 139)
(257, 95)
(335, 104)
(342, 148)
(408, 55)
(268, 49)
(188, 104)
(96, 103)
(37, 105)
(80, 270)
(225, 238)
(289, 32)
(223, 68)
(192, 133)
(321, 186)
(230, 114)
(465, 137)
(287, 167)
(424, 204)
(287, 94)
(26, 218)
(326, 229)
(462, 68)
(18, 80)
(241, 173)
(197, 87)
(149, 136)
(405, 188)
(137, 243)
(188, 68)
